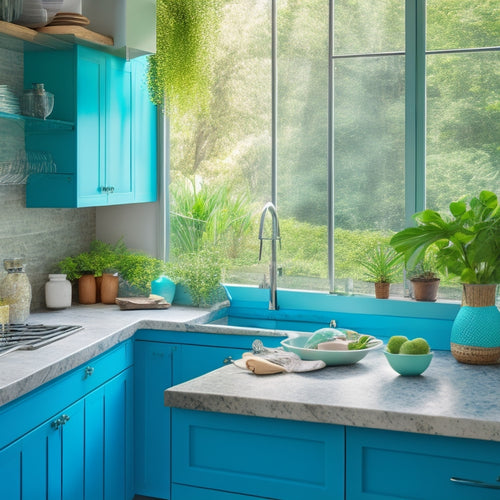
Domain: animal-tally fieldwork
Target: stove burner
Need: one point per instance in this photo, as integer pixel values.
(28, 337)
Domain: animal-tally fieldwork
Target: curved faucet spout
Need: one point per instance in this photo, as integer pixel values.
(275, 236)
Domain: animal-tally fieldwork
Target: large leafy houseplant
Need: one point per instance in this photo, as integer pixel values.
(180, 72)
(467, 240)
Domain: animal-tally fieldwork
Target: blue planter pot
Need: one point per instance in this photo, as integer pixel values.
(475, 335)
(164, 287)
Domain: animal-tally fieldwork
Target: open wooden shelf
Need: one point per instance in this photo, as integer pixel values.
(20, 38)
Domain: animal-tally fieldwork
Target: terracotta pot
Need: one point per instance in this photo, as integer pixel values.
(425, 290)
(382, 290)
(109, 288)
(98, 283)
(87, 289)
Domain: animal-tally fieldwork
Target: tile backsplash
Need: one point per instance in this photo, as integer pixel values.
(41, 236)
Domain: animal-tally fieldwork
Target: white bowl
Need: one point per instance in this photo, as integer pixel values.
(331, 358)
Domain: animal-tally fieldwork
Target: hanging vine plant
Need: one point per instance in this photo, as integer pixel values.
(180, 73)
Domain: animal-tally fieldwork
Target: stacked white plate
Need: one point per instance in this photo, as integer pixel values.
(9, 103)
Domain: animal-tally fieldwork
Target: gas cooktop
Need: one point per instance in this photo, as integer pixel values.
(27, 337)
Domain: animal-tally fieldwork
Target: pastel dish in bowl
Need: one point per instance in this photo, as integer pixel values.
(409, 364)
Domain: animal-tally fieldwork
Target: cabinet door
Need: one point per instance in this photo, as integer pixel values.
(144, 135)
(118, 180)
(46, 463)
(264, 457)
(382, 465)
(91, 127)
(108, 440)
(153, 374)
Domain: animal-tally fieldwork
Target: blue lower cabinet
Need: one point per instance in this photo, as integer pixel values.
(84, 452)
(383, 465)
(159, 365)
(260, 457)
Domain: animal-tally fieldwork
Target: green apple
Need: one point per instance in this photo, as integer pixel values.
(415, 346)
(395, 343)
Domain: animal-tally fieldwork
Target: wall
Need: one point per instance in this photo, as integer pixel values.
(41, 236)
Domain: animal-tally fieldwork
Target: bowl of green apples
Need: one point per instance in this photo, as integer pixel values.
(408, 357)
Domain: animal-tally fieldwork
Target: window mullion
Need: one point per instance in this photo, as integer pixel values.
(415, 108)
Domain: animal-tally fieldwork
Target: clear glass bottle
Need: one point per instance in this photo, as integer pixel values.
(15, 289)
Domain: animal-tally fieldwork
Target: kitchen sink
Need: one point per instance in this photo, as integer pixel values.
(15, 337)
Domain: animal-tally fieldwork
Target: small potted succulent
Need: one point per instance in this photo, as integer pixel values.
(382, 266)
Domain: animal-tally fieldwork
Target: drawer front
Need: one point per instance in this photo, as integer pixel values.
(29, 411)
(268, 458)
(384, 465)
(182, 492)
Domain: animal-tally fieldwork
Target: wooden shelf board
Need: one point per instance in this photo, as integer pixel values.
(53, 37)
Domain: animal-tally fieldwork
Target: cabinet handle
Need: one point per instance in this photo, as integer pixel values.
(89, 370)
(108, 189)
(228, 360)
(59, 421)
(474, 482)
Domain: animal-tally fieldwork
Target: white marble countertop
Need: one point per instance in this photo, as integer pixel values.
(450, 398)
(103, 327)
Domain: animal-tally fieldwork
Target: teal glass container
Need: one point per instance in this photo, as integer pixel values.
(164, 287)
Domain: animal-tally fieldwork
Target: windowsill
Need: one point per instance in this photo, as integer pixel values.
(254, 297)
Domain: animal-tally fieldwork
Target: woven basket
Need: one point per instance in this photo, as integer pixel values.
(478, 295)
(475, 355)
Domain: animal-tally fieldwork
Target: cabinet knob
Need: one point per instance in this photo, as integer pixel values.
(59, 421)
(89, 370)
(228, 360)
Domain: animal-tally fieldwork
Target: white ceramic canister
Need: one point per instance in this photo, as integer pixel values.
(58, 292)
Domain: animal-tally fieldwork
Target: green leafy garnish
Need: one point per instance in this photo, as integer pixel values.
(361, 343)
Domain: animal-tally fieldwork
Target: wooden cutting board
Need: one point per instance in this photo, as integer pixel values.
(78, 32)
(151, 302)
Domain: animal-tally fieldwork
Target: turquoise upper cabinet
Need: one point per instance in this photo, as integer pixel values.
(110, 156)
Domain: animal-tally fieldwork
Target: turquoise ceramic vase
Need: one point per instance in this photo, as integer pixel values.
(475, 335)
(164, 287)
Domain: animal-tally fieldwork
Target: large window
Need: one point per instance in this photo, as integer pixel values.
(382, 107)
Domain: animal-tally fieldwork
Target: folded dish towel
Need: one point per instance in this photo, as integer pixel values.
(276, 361)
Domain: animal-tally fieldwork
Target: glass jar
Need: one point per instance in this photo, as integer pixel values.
(58, 292)
(15, 289)
(37, 102)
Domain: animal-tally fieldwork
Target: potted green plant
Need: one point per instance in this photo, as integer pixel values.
(135, 270)
(382, 266)
(467, 243)
(467, 240)
(198, 278)
(180, 72)
(424, 279)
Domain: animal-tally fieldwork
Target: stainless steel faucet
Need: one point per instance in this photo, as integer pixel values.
(275, 236)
